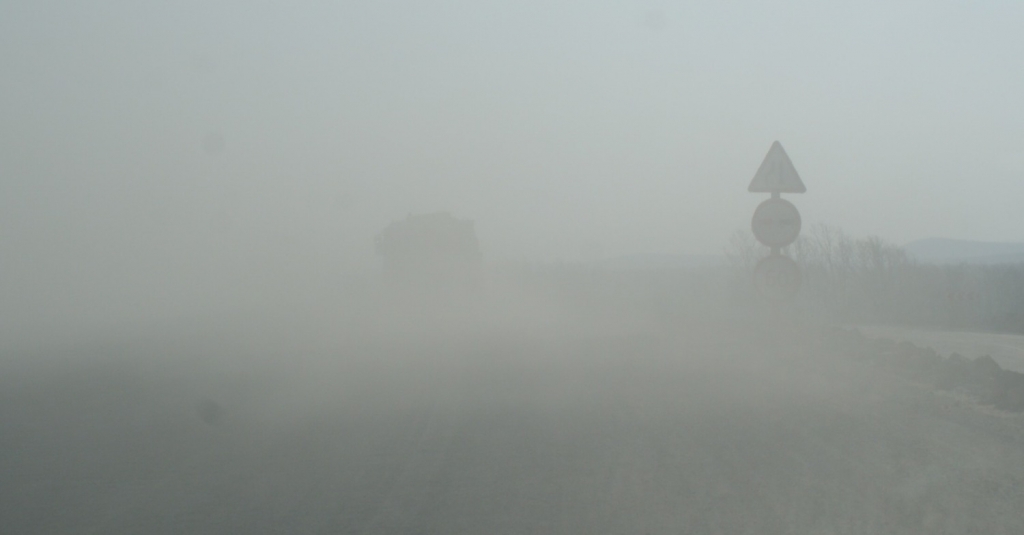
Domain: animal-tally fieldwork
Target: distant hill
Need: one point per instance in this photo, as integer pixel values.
(947, 251)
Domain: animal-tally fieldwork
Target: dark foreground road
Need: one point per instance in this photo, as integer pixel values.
(694, 431)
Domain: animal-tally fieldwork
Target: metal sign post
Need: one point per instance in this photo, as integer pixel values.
(776, 224)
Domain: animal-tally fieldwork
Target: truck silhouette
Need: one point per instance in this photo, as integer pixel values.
(434, 250)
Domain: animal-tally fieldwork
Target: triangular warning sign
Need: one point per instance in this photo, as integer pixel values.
(776, 174)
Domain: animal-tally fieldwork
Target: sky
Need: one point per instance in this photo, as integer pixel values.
(244, 142)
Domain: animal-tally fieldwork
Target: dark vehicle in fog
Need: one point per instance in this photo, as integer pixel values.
(430, 251)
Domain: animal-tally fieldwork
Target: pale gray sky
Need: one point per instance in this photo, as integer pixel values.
(558, 126)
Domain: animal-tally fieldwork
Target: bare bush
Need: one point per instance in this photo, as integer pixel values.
(870, 280)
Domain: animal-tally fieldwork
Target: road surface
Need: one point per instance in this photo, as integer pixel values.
(700, 430)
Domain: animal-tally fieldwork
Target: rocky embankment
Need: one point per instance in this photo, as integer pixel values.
(982, 379)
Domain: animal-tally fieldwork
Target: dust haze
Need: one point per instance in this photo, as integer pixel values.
(464, 267)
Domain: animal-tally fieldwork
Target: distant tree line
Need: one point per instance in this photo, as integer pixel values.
(870, 280)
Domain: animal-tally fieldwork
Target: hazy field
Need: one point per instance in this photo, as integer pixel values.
(692, 427)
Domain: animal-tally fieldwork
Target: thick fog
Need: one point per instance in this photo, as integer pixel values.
(158, 160)
(480, 267)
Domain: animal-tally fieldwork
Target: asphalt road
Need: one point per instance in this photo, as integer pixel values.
(699, 430)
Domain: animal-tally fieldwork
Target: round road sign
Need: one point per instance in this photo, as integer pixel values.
(777, 277)
(776, 223)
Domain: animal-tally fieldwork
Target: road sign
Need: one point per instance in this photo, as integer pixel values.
(776, 223)
(777, 278)
(776, 174)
